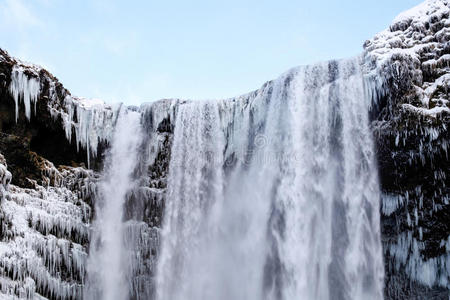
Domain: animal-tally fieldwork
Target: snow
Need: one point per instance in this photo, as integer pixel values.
(413, 48)
(89, 103)
(423, 11)
(432, 112)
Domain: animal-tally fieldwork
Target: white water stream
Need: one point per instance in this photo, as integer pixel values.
(106, 265)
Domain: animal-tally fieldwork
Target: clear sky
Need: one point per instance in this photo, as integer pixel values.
(139, 51)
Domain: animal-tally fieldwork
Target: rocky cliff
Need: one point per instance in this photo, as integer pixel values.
(52, 146)
(411, 114)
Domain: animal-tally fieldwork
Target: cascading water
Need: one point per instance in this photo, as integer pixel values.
(106, 265)
(275, 195)
(270, 195)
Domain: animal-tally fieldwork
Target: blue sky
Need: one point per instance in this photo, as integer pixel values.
(139, 51)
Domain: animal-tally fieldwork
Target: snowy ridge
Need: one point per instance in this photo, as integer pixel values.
(421, 13)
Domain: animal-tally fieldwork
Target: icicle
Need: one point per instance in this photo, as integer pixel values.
(24, 88)
(37, 247)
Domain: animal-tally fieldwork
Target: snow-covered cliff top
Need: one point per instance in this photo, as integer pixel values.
(416, 48)
(425, 25)
(423, 12)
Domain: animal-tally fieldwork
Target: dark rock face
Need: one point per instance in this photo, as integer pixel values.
(414, 168)
(410, 120)
(42, 134)
(23, 163)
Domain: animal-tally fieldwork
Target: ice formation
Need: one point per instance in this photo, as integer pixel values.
(270, 195)
(24, 89)
(407, 253)
(44, 233)
(91, 120)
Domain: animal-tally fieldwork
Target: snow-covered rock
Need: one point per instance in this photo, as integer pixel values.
(44, 235)
(408, 73)
(414, 52)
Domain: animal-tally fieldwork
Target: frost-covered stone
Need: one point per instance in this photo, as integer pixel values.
(414, 53)
(408, 75)
(44, 234)
(5, 178)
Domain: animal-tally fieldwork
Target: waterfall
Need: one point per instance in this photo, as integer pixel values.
(271, 195)
(195, 193)
(107, 258)
(275, 195)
